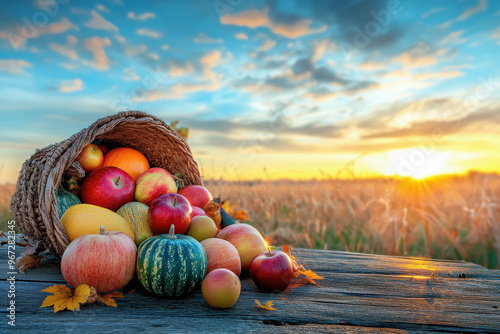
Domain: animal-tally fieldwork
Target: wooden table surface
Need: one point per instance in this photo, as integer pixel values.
(361, 293)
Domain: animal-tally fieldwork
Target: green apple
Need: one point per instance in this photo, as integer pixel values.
(221, 288)
(201, 228)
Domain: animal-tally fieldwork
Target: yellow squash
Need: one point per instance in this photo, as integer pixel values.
(136, 215)
(83, 219)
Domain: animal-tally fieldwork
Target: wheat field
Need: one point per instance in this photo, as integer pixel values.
(455, 218)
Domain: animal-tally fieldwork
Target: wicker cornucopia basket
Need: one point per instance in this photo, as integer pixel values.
(34, 204)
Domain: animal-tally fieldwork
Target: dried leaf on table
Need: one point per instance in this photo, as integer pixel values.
(65, 298)
(310, 274)
(108, 298)
(27, 262)
(299, 269)
(310, 280)
(267, 305)
(212, 209)
(31, 248)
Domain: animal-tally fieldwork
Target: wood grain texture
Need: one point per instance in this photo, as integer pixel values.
(361, 293)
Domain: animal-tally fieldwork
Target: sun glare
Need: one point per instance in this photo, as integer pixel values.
(417, 163)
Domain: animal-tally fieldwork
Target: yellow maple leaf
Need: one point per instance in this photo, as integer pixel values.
(64, 297)
(267, 305)
(108, 298)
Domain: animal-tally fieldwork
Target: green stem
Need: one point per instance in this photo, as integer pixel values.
(269, 250)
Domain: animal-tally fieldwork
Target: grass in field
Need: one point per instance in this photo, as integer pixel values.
(454, 218)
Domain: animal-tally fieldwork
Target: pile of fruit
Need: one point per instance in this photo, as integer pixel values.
(125, 217)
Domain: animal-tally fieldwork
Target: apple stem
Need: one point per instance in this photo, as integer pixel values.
(171, 234)
(102, 230)
(175, 200)
(269, 250)
(118, 179)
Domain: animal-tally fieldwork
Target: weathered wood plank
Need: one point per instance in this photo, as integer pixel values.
(192, 312)
(359, 292)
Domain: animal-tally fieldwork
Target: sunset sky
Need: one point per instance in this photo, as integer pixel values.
(280, 89)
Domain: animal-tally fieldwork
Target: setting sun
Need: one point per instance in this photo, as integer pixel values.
(418, 163)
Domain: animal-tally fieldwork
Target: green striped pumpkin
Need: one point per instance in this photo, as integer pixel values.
(171, 265)
(65, 200)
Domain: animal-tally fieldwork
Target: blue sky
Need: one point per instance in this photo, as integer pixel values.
(299, 88)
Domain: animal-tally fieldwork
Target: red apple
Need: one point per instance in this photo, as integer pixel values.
(105, 261)
(90, 158)
(152, 184)
(197, 212)
(108, 187)
(104, 148)
(221, 288)
(247, 241)
(169, 209)
(201, 228)
(271, 271)
(196, 195)
(221, 254)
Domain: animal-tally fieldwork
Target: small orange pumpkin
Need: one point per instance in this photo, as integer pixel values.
(128, 159)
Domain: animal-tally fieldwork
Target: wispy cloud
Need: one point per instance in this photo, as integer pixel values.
(209, 61)
(443, 75)
(58, 27)
(96, 45)
(454, 37)
(19, 38)
(432, 11)
(149, 33)
(496, 34)
(204, 39)
(267, 45)
(14, 66)
(445, 25)
(67, 50)
(241, 36)
(418, 56)
(141, 17)
(178, 91)
(103, 8)
(479, 7)
(130, 75)
(134, 50)
(320, 47)
(99, 22)
(180, 68)
(255, 18)
(68, 86)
